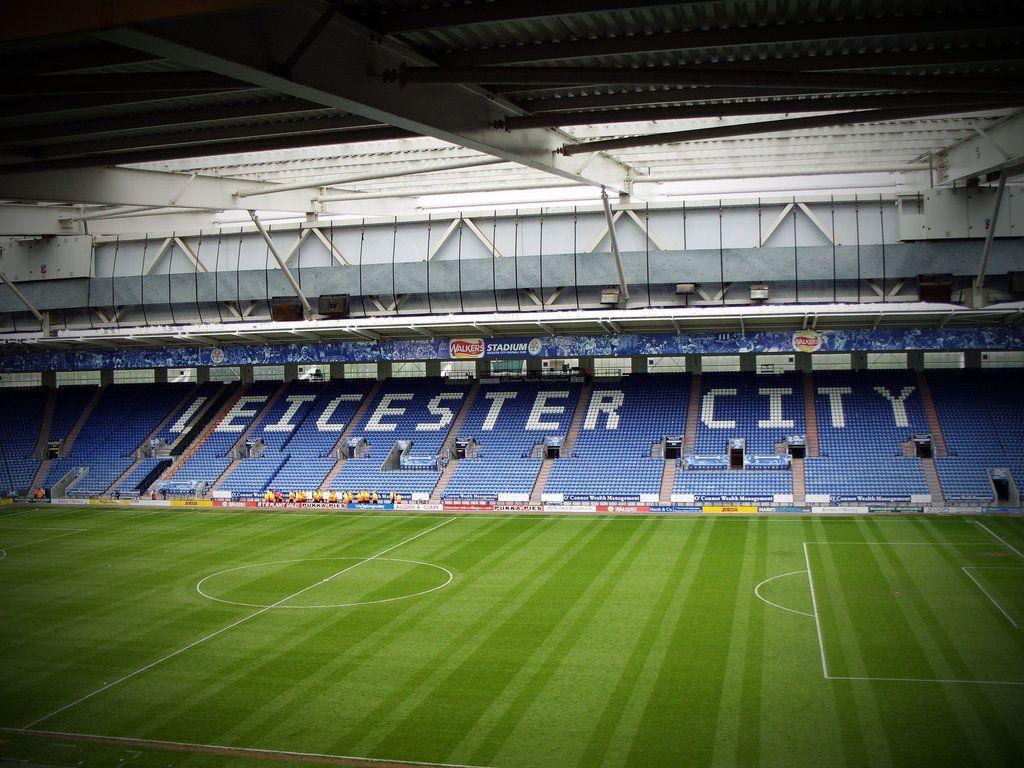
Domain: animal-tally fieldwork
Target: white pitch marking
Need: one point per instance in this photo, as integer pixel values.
(927, 680)
(40, 541)
(447, 581)
(999, 538)
(817, 618)
(232, 625)
(763, 599)
(886, 679)
(911, 543)
(156, 744)
(967, 569)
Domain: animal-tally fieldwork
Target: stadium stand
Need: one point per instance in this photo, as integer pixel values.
(210, 456)
(309, 446)
(863, 418)
(21, 420)
(71, 402)
(298, 437)
(761, 409)
(508, 421)
(419, 411)
(124, 415)
(298, 434)
(983, 425)
(614, 456)
(199, 398)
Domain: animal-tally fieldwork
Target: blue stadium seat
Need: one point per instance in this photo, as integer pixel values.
(862, 419)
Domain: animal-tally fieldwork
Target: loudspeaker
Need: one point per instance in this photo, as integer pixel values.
(285, 309)
(935, 288)
(333, 305)
(1016, 282)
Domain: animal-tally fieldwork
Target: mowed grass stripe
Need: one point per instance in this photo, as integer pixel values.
(171, 654)
(485, 739)
(615, 729)
(156, 607)
(486, 664)
(864, 736)
(699, 640)
(422, 635)
(961, 710)
(251, 665)
(747, 621)
(561, 642)
(366, 639)
(260, 650)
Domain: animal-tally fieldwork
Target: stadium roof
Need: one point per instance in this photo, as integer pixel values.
(376, 107)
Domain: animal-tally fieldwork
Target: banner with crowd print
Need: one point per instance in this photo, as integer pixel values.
(16, 358)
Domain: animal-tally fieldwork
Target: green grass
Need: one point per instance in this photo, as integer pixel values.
(512, 641)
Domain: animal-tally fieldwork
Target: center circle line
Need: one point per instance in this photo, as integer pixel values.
(199, 584)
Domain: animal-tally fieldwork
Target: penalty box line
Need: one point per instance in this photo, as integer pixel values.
(232, 625)
(821, 639)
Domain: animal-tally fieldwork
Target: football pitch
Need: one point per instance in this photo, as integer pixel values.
(194, 638)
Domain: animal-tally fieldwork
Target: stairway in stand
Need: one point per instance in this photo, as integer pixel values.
(931, 476)
(69, 441)
(568, 445)
(449, 441)
(542, 479)
(44, 437)
(931, 415)
(357, 417)
(41, 473)
(668, 480)
(152, 433)
(810, 417)
(576, 424)
(799, 482)
(47, 423)
(443, 480)
(205, 433)
(692, 414)
(271, 401)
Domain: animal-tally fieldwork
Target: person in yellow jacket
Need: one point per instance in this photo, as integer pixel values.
(375, 498)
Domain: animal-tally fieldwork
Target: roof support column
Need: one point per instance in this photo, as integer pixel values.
(623, 288)
(978, 289)
(23, 299)
(283, 265)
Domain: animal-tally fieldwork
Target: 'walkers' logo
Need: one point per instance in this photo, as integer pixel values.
(466, 349)
(806, 341)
